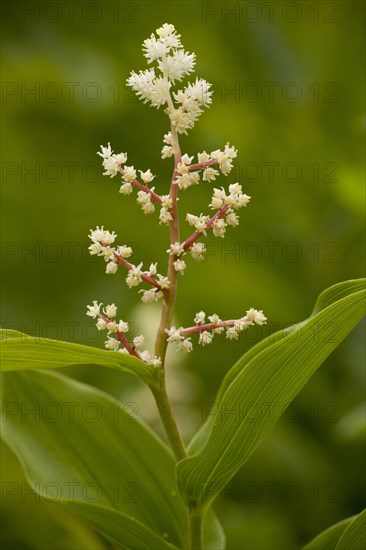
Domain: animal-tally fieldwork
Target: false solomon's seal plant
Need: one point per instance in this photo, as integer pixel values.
(110, 469)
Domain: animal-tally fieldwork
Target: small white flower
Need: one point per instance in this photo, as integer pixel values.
(111, 311)
(199, 222)
(205, 338)
(166, 201)
(165, 216)
(235, 189)
(230, 152)
(184, 181)
(156, 361)
(197, 251)
(144, 200)
(225, 158)
(176, 249)
(109, 238)
(218, 199)
(112, 327)
(203, 157)
(214, 318)
(126, 188)
(167, 30)
(187, 180)
(256, 316)
(147, 176)
(177, 65)
(184, 164)
(101, 324)
(163, 282)
(194, 178)
(120, 158)
(210, 174)
(168, 138)
(174, 334)
(122, 326)
(149, 295)
(138, 341)
(134, 276)
(232, 219)
(219, 228)
(106, 151)
(179, 266)
(167, 152)
(97, 235)
(153, 48)
(185, 345)
(148, 207)
(152, 270)
(129, 174)
(232, 334)
(111, 166)
(95, 249)
(108, 253)
(111, 267)
(145, 356)
(112, 344)
(200, 318)
(94, 310)
(124, 251)
(244, 199)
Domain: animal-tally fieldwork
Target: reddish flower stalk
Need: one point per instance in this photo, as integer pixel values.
(155, 197)
(202, 165)
(122, 338)
(210, 326)
(147, 278)
(196, 235)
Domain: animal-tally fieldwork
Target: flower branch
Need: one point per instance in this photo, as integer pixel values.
(197, 234)
(135, 183)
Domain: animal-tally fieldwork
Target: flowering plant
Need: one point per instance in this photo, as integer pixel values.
(183, 107)
(176, 489)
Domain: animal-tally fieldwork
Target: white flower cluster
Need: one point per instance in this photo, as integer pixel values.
(214, 326)
(173, 64)
(253, 316)
(115, 256)
(197, 251)
(188, 176)
(183, 106)
(111, 162)
(165, 215)
(177, 250)
(225, 204)
(116, 333)
(146, 197)
(191, 100)
(175, 335)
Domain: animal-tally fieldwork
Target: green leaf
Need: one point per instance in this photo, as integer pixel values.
(354, 536)
(213, 533)
(19, 351)
(119, 528)
(327, 540)
(260, 387)
(78, 445)
(325, 299)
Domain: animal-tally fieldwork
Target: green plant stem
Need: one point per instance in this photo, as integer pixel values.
(167, 417)
(161, 344)
(195, 529)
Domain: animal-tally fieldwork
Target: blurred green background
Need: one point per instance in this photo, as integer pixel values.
(289, 94)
